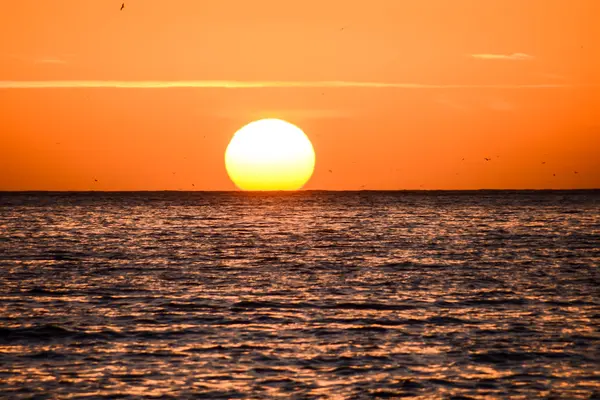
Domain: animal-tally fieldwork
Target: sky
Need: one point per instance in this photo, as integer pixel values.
(393, 94)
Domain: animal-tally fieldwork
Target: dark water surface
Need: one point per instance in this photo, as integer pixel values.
(343, 295)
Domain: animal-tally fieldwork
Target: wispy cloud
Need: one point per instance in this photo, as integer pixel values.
(50, 60)
(513, 56)
(303, 113)
(554, 76)
(501, 105)
(33, 59)
(230, 84)
(450, 103)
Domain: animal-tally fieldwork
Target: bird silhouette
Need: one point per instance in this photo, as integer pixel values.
(553, 174)
(543, 162)
(95, 180)
(330, 171)
(122, 7)
(487, 159)
(575, 172)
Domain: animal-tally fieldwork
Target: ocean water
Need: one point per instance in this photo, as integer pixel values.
(316, 295)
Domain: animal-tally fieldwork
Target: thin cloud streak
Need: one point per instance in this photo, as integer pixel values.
(256, 84)
(303, 113)
(50, 61)
(35, 60)
(514, 56)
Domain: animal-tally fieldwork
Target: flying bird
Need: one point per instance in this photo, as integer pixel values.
(543, 162)
(95, 180)
(575, 172)
(487, 159)
(122, 6)
(330, 171)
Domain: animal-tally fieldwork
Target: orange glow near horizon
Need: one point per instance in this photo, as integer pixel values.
(393, 95)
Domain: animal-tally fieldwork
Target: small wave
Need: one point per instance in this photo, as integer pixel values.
(208, 349)
(42, 332)
(446, 382)
(368, 321)
(149, 334)
(129, 377)
(40, 291)
(63, 255)
(267, 319)
(46, 355)
(157, 354)
(277, 382)
(493, 302)
(442, 320)
(345, 370)
(368, 306)
(387, 394)
(185, 306)
(48, 332)
(236, 349)
(407, 384)
(567, 303)
(500, 357)
(267, 370)
(248, 304)
(378, 329)
(220, 394)
(336, 360)
(323, 332)
(401, 265)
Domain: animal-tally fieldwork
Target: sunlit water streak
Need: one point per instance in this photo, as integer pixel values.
(306, 295)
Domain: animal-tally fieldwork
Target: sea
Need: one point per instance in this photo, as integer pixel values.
(301, 295)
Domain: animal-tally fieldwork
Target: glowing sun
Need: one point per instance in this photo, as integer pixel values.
(270, 154)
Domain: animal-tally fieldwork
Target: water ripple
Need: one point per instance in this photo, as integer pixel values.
(300, 295)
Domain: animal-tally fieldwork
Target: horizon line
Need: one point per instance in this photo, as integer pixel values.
(300, 190)
(242, 84)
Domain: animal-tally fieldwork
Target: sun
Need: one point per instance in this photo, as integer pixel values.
(270, 154)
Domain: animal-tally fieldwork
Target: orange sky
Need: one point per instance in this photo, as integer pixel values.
(516, 81)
